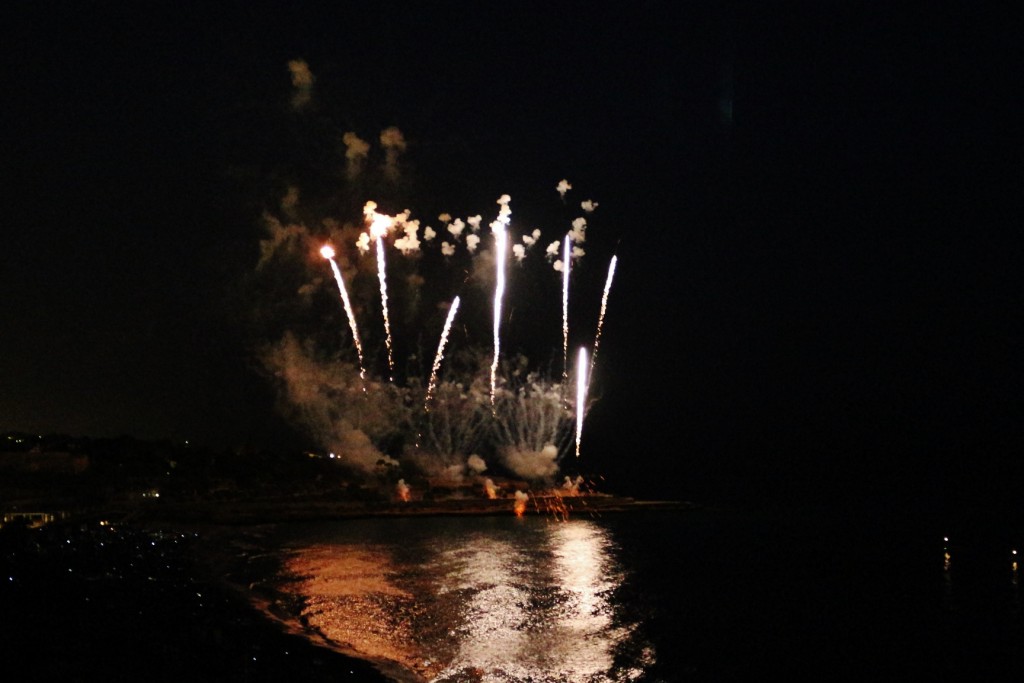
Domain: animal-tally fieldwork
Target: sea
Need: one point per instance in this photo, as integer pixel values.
(659, 595)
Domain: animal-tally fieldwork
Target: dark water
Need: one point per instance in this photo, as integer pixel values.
(660, 596)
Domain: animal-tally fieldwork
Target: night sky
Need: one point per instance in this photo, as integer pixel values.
(815, 208)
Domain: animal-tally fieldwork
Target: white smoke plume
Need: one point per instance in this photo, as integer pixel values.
(531, 422)
(472, 242)
(456, 227)
(355, 449)
(429, 234)
(363, 242)
(280, 238)
(356, 152)
(531, 239)
(326, 399)
(532, 465)
(290, 200)
(588, 205)
(302, 83)
(571, 486)
(578, 234)
(409, 243)
(476, 464)
(563, 187)
(393, 142)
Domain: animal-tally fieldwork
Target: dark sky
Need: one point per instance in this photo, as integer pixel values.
(815, 207)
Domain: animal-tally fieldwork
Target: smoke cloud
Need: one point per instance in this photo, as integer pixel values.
(393, 142)
(302, 83)
(476, 464)
(532, 465)
(356, 151)
(322, 396)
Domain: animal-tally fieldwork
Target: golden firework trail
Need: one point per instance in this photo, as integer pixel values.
(604, 307)
(327, 251)
(581, 395)
(440, 354)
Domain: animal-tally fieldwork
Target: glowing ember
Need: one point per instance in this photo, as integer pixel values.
(440, 353)
(604, 307)
(327, 251)
(519, 506)
(490, 489)
(403, 490)
(571, 487)
(581, 395)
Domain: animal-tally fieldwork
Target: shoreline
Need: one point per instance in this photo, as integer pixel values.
(178, 582)
(256, 578)
(284, 510)
(233, 546)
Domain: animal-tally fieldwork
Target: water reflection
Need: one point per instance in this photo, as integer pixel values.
(524, 599)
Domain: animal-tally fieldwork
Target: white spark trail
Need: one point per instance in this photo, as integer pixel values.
(498, 227)
(440, 354)
(501, 239)
(566, 259)
(328, 253)
(604, 307)
(384, 305)
(581, 395)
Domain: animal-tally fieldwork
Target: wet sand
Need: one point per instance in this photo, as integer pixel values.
(250, 567)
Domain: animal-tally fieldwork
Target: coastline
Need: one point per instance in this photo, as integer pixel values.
(240, 559)
(174, 583)
(234, 547)
(115, 602)
(282, 510)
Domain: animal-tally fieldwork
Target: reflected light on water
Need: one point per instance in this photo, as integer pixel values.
(535, 618)
(533, 603)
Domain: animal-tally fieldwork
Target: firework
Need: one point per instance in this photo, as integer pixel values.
(567, 255)
(378, 229)
(581, 395)
(500, 247)
(440, 353)
(530, 423)
(604, 307)
(327, 251)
